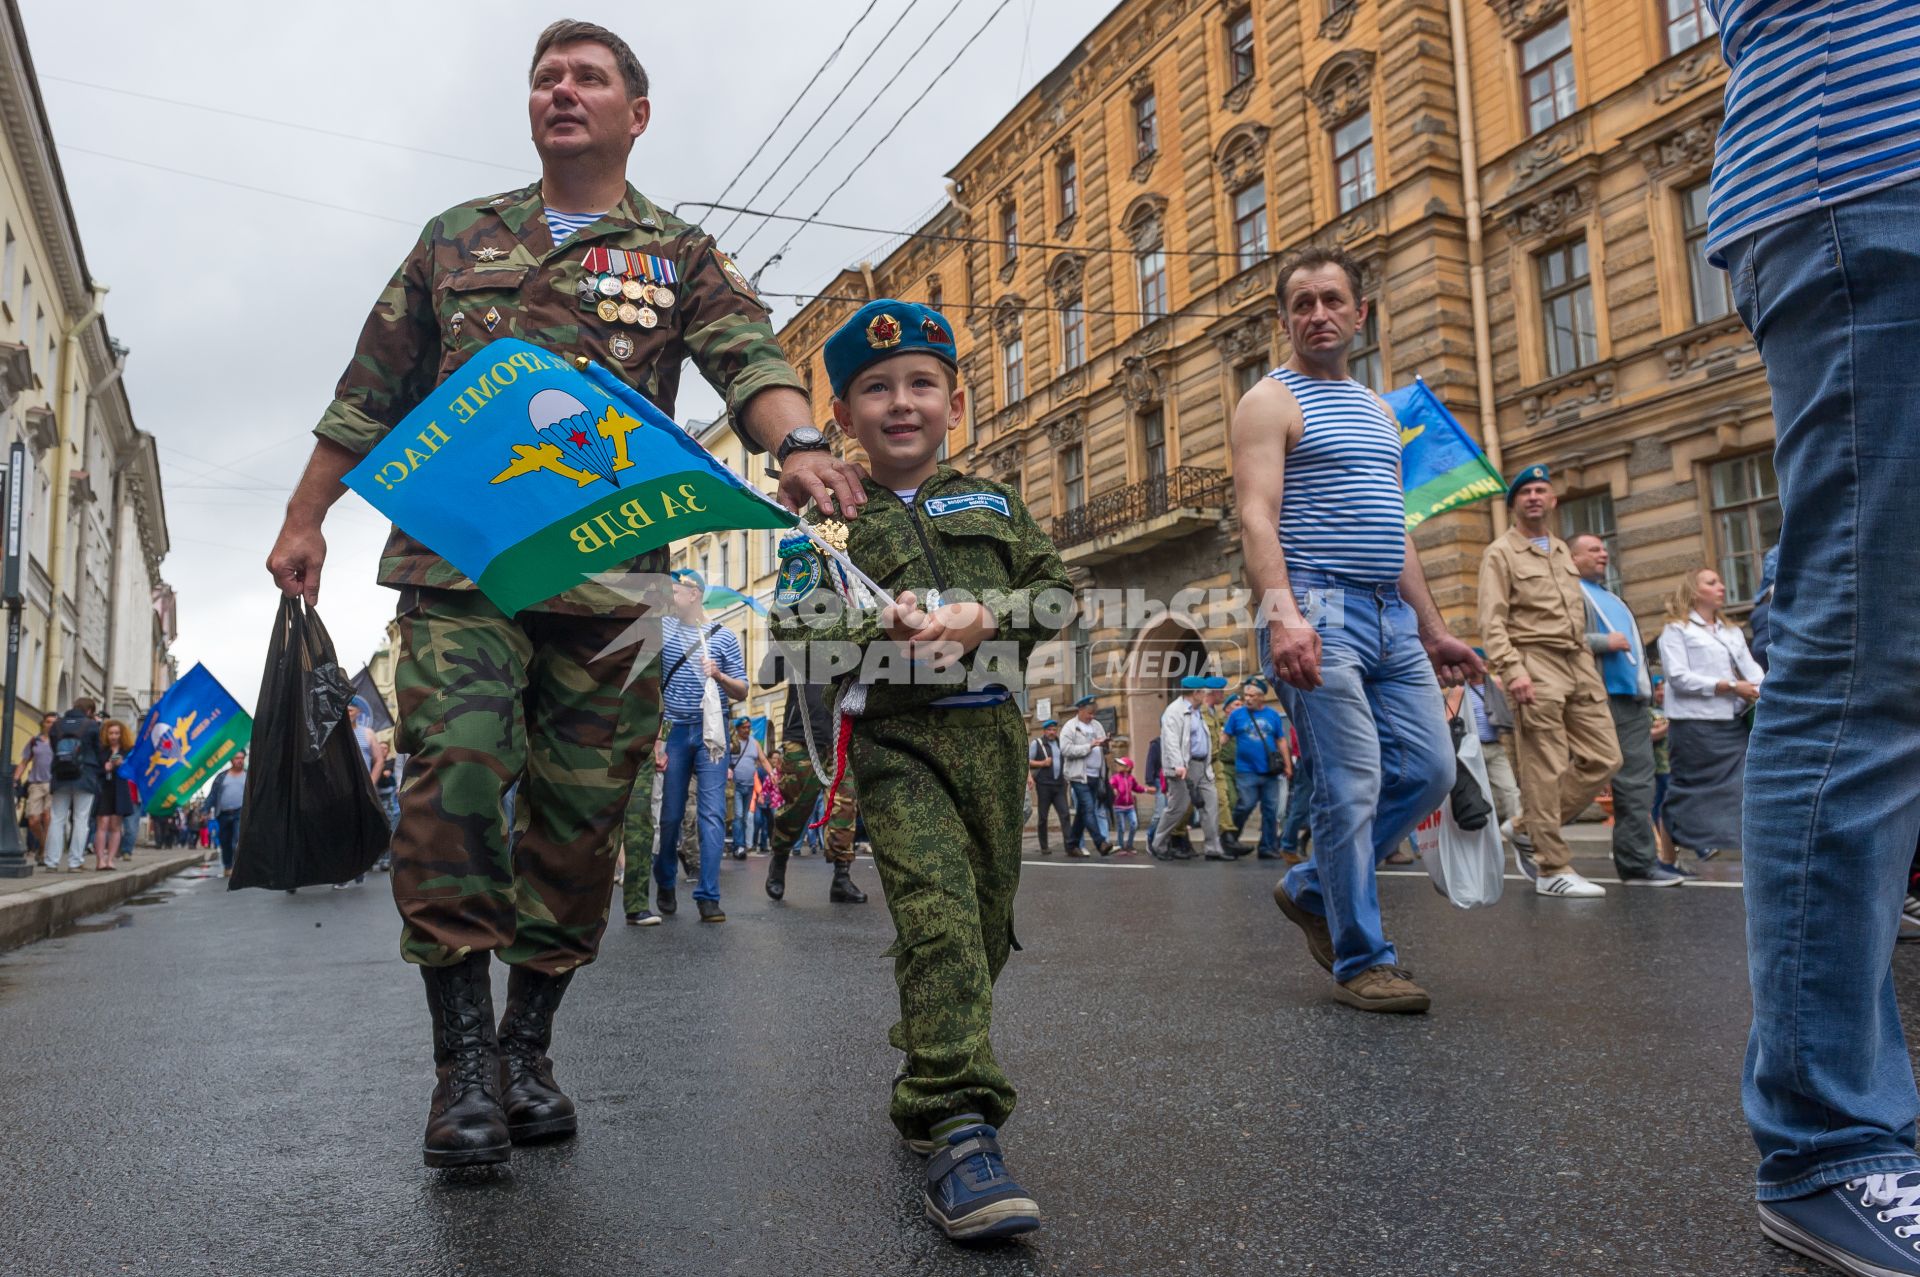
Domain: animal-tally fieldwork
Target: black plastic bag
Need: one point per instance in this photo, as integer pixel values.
(311, 817)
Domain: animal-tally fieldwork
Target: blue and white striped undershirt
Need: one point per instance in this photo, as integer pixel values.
(564, 226)
(1823, 105)
(680, 652)
(1341, 508)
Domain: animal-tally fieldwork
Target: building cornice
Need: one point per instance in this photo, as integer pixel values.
(23, 114)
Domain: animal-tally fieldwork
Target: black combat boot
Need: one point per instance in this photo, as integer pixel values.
(466, 1125)
(536, 1107)
(843, 892)
(777, 876)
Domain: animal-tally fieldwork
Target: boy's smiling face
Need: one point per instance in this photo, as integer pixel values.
(900, 409)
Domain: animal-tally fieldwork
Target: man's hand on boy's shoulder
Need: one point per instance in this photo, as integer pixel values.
(942, 636)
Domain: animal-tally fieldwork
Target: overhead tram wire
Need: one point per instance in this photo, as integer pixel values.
(801, 97)
(808, 131)
(969, 307)
(238, 186)
(284, 124)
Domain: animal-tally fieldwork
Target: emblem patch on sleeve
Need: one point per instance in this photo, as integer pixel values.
(736, 278)
(799, 577)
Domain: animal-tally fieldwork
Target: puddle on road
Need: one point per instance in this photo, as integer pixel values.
(94, 922)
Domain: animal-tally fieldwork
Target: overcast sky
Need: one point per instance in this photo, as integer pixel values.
(241, 307)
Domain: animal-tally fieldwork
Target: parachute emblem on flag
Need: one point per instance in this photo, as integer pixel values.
(572, 444)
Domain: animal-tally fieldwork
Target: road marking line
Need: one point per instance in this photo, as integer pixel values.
(1691, 882)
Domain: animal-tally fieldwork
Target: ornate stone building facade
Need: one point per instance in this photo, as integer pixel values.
(1520, 178)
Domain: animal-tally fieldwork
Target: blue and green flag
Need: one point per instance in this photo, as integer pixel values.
(531, 475)
(1441, 467)
(721, 597)
(188, 735)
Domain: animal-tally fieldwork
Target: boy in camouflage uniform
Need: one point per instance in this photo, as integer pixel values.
(488, 701)
(935, 742)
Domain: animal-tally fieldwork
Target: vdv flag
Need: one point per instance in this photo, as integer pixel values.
(532, 476)
(1440, 466)
(188, 735)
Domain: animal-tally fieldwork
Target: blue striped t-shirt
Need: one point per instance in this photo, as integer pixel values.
(1341, 509)
(563, 226)
(680, 698)
(1823, 105)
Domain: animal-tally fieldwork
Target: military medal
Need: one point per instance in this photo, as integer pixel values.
(633, 290)
(457, 322)
(608, 310)
(609, 286)
(628, 313)
(647, 318)
(621, 346)
(491, 318)
(662, 297)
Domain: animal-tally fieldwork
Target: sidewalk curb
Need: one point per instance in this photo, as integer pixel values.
(36, 913)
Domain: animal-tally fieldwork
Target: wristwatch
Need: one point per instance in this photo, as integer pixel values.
(800, 439)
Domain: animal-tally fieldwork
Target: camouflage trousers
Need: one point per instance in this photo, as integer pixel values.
(636, 831)
(799, 789)
(487, 701)
(941, 791)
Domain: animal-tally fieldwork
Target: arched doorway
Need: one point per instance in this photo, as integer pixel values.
(1162, 654)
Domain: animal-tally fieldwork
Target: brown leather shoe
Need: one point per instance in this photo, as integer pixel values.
(1319, 939)
(1383, 988)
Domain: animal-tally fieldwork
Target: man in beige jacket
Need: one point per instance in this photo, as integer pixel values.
(1533, 620)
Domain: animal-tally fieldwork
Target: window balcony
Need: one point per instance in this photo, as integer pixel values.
(1142, 515)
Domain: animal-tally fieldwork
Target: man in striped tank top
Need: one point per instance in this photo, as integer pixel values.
(1815, 213)
(1347, 627)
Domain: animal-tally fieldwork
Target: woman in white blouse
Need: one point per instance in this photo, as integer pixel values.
(1711, 681)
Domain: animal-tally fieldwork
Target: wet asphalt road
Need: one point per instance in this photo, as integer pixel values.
(235, 1084)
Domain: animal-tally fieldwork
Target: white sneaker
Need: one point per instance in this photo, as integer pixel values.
(1569, 885)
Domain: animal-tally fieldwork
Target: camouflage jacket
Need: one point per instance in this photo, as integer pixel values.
(964, 537)
(489, 269)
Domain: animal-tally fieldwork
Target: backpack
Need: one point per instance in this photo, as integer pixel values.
(69, 763)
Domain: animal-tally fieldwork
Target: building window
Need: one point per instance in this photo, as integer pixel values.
(1067, 175)
(1073, 333)
(6, 270)
(1082, 661)
(1688, 23)
(1146, 126)
(40, 336)
(1746, 520)
(1546, 76)
(1153, 443)
(1363, 352)
(1013, 358)
(1153, 284)
(1250, 225)
(1353, 161)
(1566, 308)
(1712, 287)
(1592, 515)
(1240, 47)
(1246, 377)
(1073, 478)
(1009, 232)
(26, 299)
(934, 292)
(726, 560)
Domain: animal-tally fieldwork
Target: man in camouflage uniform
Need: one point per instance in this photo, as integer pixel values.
(636, 830)
(1225, 751)
(800, 786)
(940, 759)
(488, 700)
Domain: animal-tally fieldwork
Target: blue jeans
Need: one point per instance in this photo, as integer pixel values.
(1378, 734)
(740, 797)
(1833, 768)
(1086, 816)
(226, 829)
(687, 760)
(1251, 787)
(1126, 823)
(1299, 800)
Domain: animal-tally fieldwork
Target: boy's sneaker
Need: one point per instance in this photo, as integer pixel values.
(1869, 1227)
(969, 1194)
(645, 918)
(1680, 869)
(1567, 885)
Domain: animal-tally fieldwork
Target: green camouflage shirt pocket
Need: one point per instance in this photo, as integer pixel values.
(465, 299)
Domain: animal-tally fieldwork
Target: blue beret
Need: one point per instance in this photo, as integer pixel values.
(1532, 474)
(689, 576)
(882, 329)
(1192, 683)
(1084, 700)
(1051, 722)
(1213, 683)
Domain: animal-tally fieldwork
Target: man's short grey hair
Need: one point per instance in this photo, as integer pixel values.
(572, 31)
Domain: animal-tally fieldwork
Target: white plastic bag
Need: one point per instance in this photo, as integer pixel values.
(713, 724)
(1466, 867)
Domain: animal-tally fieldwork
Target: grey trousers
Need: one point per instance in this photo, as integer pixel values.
(1634, 845)
(1506, 788)
(1195, 794)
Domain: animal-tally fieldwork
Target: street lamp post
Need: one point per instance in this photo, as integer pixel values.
(13, 855)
